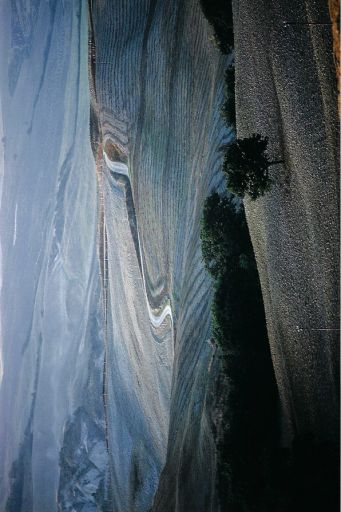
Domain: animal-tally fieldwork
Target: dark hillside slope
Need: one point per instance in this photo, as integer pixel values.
(286, 90)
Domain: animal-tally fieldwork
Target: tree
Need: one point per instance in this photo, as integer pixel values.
(223, 232)
(246, 165)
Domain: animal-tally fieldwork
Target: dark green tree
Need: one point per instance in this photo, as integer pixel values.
(224, 234)
(246, 165)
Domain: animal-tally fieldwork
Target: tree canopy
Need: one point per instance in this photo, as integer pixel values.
(246, 165)
(223, 233)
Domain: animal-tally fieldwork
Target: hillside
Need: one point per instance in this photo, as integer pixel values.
(156, 86)
(286, 90)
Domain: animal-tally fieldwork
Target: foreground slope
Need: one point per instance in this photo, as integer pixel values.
(286, 90)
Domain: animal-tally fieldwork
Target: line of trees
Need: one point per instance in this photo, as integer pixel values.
(246, 449)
